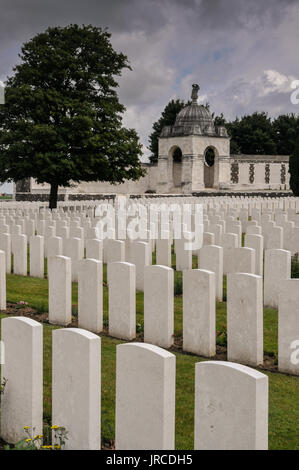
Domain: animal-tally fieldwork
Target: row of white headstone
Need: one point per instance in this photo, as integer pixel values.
(145, 393)
(222, 260)
(221, 228)
(244, 307)
(201, 288)
(224, 201)
(279, 234)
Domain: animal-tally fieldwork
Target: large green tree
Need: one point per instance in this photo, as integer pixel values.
(294, 169)
(62, 120)
(167, 119)
(286, 130)
(253, 134)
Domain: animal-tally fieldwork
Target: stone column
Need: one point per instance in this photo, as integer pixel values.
(222, 172)
(187, 163)
(163, 183)
(198, 172)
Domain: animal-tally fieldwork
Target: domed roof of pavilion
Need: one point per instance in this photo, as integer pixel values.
(194, 119)
(194, 115)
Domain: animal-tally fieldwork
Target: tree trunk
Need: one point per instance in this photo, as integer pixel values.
(53, 196)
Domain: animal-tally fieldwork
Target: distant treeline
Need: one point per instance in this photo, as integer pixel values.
(258, 134)
(254, 134)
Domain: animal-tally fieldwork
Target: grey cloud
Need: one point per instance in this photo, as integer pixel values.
(226, 45)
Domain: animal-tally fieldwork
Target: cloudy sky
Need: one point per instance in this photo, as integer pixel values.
(243, 53)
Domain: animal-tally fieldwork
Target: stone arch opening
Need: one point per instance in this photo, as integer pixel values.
(209, 167)
(176, 155)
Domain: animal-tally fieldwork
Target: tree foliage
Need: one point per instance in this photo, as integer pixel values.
(253, 134)
(167, 119)
(259, 135)
(286, 130)
(62, 120)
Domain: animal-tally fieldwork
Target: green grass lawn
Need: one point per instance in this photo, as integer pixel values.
(283, 389)
(283, 393)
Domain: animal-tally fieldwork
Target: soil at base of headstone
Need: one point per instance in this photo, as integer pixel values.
(270, 362)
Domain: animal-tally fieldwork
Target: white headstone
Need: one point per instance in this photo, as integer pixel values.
(145, 397)
(245, 318)
(199, 315)
(231, 407)
(139, 257)
(2, 280)
(115, 251)
(158, 305)
(5, 245)
(163, 251)
(73, 250)
(277, 269)
(76, 387)
(54, 246)
(19, 251)
(183, 255)
(37, 256)
(257, 243)
(211, 259)
(94, 249)
(90, 295)
(288, 327)
(22, 401)
(122, 300)
(60, 290)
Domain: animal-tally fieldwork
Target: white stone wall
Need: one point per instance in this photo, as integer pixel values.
(190, 171)
(259, 175)
(148, 182)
